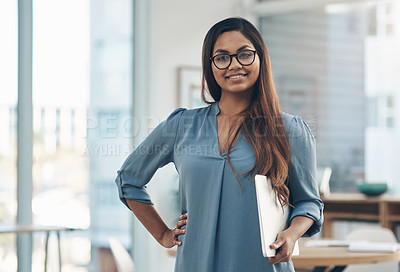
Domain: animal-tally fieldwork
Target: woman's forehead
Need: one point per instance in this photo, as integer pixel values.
(232, 41)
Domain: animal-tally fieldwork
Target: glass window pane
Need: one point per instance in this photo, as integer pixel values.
(8, 130)
(82, 102)
(109, 121)
(61, 76)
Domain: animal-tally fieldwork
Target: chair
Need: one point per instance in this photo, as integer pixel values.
(377, 234)
(122, 258)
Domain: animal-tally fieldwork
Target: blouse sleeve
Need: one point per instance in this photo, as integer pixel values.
(154, 152)
(304, 194)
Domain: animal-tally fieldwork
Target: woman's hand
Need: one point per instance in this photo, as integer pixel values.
(284, 246)
(170, 236)
(286, 240)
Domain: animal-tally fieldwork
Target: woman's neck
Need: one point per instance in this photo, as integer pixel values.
(232, 105)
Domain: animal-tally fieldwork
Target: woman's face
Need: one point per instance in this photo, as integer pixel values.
(236, 78)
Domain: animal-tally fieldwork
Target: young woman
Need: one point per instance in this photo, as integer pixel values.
(217, 150)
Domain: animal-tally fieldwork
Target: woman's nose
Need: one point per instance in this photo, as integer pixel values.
(235, 64)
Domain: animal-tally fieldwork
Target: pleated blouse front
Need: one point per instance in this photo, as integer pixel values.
(222, 233)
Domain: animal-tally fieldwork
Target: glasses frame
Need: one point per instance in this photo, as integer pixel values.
(236, 56)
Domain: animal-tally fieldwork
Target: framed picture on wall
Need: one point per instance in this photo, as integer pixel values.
(189, 87)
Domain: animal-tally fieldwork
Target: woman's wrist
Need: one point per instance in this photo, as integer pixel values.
(163, 235)
(299, 225)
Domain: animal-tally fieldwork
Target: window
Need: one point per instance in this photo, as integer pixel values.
(381, 111)
(81, 69)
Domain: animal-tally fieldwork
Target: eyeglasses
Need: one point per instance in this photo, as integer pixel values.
(245, 58)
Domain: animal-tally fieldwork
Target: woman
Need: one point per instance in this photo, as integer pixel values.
(217, 150)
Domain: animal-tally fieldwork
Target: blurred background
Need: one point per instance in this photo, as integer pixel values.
(106, 72)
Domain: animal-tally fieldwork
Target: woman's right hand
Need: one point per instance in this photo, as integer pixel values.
(170, 236)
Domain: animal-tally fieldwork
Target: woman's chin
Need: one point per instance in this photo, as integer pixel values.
(238, 91)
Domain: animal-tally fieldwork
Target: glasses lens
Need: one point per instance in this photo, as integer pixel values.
(246, 57)
(222, 61)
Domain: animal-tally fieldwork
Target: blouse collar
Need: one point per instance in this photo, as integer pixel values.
(215, 108)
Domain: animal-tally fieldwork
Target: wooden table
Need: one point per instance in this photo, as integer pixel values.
(30, 228)
(333, 259)
(337, 258)
(384, 209)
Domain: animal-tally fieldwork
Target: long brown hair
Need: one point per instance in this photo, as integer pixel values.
(262, 123)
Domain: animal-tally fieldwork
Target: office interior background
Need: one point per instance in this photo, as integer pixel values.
(106, 72)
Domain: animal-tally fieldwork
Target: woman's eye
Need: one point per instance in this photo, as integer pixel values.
(245, 55)
(222, 58)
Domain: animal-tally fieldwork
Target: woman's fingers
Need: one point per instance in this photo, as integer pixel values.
(181, 223)
(183, 216)
(178, 231)
(282, 255)
(284, 247)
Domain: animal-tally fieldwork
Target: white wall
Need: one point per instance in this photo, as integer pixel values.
(178, 32)
(177, 29)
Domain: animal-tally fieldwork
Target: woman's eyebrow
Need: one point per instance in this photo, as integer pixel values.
(225, 51)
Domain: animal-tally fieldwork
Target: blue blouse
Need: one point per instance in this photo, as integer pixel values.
(222, 231)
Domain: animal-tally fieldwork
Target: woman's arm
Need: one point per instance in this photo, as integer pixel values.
(152, 221)
(302, 183)
(299, 225)
(287, 238)
(154, 152)
(306, 217)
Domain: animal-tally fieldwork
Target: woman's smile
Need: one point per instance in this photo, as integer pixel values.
(236, 77)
